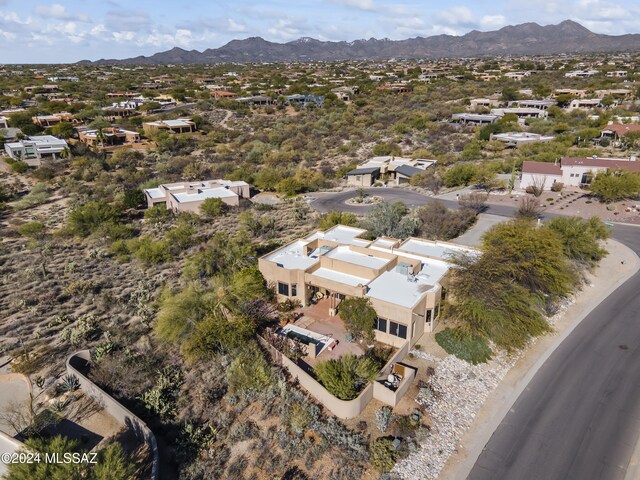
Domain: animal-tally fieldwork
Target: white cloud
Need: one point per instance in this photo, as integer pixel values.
(285, 29)
(455, 16)
(233, 26)
(57, 11)
(493, 21)
(359, 4)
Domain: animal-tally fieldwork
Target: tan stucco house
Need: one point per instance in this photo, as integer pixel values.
(402, 279)
(188, 196)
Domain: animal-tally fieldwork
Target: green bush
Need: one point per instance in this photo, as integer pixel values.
(459, 175)
(466, 346)
(332, 219)
(85, 219)
(383, 455)
(345, 377)
(611, 186)
(149, 251)
(359, 317)
(213, 207)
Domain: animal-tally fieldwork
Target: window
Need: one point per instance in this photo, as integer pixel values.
(402, 331)
(393, 328)
(437, 312)
(428, 315)
(283, 289)
(294, 289)
(398, 330)
(381, 325)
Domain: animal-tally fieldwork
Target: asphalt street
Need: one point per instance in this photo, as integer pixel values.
(579, 417)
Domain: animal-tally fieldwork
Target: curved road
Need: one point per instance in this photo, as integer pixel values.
(579, 417)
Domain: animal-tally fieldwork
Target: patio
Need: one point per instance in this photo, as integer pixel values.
(316, 318)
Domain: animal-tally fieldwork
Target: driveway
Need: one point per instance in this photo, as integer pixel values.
(14, 392)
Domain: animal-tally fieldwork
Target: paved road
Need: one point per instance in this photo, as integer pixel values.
(579, 417)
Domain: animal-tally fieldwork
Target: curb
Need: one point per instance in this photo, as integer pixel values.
(487, 429)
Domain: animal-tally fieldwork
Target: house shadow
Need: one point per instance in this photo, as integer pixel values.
(74, 431)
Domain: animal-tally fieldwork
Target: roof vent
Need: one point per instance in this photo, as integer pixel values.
(403, 268)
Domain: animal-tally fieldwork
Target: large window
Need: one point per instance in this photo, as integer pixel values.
(381, 325)
(398, 330)
(283, 289)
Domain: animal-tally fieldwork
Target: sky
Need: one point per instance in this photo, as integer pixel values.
(72, 30)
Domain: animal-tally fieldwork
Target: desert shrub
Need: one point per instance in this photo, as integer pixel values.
(429, 180)
(162, 398)
(259, 225)
(529, 208)
(383, 454)
(85, 328)
(157, 215)
(213, 207)
(475, 201)
(181, 237)
(38, 195)
(149, 251)
(466, 346)
(345, 377)
(111, 463)
(249, 371)
(438, 222)
(331, 219)
(383, 418)
(616, 185)
(459, 175)
(391, 220)
(581, 238)
(557, 186)
(85, 219)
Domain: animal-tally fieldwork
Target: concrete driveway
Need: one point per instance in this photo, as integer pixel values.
(14, 391)
(484, 223)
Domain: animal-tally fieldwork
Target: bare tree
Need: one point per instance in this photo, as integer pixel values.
(475, 201)
(529, 208)
(537, 185)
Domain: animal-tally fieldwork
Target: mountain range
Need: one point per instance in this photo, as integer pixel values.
(523, 39)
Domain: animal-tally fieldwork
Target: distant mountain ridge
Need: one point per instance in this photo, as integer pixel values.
(523, 39)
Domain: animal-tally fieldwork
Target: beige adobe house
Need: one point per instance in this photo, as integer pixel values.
(395, 170)
(402, 280)
(54, 119)
(188, 196)
(181, 125)
(108, 137)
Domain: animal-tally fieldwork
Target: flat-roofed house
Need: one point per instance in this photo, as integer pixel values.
(108, 137)
(402, 280)
(474, 118)
(484, 103)
(518, 139)
(520, 112)
(584, 103)
(53, 119)
(180, 125)
(188, 196)
(34, 149)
